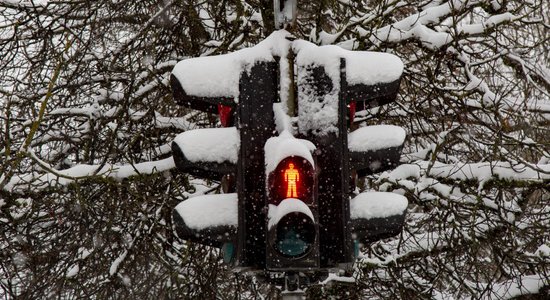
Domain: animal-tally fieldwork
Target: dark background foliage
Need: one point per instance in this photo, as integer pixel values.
(86, 82)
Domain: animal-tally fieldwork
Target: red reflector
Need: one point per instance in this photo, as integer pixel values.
(352, 108)
(225, 115)
(292, 178)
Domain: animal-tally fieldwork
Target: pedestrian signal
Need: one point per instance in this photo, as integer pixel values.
(294, 177)
(293, 227)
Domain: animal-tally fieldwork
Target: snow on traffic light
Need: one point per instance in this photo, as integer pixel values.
(208, 153)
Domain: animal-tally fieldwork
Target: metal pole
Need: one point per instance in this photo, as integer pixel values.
(285, 12)
(293, 295)
(291, 288)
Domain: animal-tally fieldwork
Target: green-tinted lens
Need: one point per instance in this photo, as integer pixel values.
(295, 235)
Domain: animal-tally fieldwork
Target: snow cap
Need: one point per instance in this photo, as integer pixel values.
(287, 206)
(210, 144)
(372, 138)
(218, 76)
(318, 110)
(372, 205)
(207, 211)
(285, 145)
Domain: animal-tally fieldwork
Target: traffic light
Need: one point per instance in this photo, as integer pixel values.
(194, 222)
(241, 91)
(376, 215)
(293, 208)
(334, 83)
(292, 219)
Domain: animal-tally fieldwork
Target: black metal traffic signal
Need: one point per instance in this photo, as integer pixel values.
(293, 208)
(236, 152)
(292, 219)
(327, 83)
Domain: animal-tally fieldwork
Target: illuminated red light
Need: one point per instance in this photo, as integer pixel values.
(294, 177)
(291, 177)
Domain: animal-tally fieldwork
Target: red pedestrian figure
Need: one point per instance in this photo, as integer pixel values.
(292, 176)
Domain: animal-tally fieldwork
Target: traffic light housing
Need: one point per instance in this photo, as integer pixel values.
(242, 95)
(194, 222)
(376, 216)
(331, 84)
(294, 202)
(292, 219)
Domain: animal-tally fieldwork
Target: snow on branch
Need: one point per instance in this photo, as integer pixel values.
(479, 172)
(418, 26)
(483, 172)
(39, 181)
(25, 4)
(521, 285)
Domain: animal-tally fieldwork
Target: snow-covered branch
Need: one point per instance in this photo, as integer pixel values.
(52, 178)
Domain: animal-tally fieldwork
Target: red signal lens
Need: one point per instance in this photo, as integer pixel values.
(292, 178)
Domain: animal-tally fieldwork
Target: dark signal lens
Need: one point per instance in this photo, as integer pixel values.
(295, 235)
